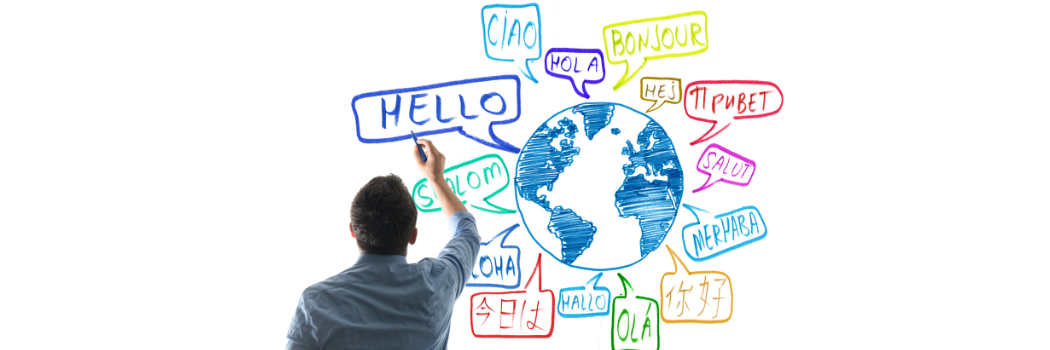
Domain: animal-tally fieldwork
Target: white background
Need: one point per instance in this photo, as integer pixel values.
(175, 174)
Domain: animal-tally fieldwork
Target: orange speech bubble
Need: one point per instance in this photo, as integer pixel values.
(695, 297)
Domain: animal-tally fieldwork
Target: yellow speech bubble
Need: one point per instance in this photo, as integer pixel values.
(660, 91)
(638, 41)
(695, 297)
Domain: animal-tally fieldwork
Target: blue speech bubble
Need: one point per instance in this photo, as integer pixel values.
(580, 66)
(588, 300)
(470, 106)
(499, 260)
(730, 231)
(517, 37)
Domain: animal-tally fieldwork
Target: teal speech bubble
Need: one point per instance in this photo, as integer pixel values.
(512, 34)
(475, 181)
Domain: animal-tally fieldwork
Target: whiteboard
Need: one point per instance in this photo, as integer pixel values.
(177, 174)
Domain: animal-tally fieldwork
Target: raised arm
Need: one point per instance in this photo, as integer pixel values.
(434, 170)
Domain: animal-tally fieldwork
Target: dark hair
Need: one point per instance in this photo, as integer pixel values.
(383, 215)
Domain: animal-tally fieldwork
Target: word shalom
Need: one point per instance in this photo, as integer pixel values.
(720, 102)
(696, 297)
(587, 300)
(636, 320)
(476, 182)
(721, 164)
(471, 107)
(527, 313)
(660, 91)
(709, 237)
(638, 41)
(497, 263)
(579, 66)
(512, 34)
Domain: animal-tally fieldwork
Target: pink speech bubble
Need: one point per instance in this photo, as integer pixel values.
(721, 164)
(720, 102)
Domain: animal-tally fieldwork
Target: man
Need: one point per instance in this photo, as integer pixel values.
(383, 302)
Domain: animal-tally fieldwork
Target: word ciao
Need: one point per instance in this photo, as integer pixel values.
(638, 41)
(584, 301)
(527, 313)
(660, 91)
(709, 237)
(635, 320)
(579, 66)
(497, 263)
(475, 181)
(512, 34)
(720, 102)
(697, 297)
(472, 107)
(721, 164)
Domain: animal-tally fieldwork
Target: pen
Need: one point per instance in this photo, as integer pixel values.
(418, 146)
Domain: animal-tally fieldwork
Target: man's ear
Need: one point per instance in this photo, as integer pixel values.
(412, 238)
(352, 231)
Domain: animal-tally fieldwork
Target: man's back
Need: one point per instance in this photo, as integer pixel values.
(383, 302)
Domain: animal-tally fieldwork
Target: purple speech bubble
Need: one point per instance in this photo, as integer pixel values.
(580, 66)
(721, 164)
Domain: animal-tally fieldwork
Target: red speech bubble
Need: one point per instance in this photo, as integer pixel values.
(720, 102)
(527, 313)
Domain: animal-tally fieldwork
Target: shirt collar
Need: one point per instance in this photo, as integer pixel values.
(380, 259)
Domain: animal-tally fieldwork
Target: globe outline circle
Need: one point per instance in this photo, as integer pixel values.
(517, 195)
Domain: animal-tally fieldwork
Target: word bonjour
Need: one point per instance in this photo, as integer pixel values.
(638, 41)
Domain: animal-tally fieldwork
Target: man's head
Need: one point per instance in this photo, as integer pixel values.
(383, 216)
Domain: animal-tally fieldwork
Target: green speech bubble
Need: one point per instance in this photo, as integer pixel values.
(635, 319)
(638, 41)
(475, 181)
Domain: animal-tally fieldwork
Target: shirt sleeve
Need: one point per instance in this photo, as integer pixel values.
(462, 251)
(301, 332)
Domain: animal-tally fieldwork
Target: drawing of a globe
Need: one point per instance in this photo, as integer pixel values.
(598, 186)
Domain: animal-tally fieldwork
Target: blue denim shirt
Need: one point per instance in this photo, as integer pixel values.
(383, 302)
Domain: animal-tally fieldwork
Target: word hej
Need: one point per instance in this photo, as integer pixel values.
(471, 107)
(517, 38)
(496, 263)
(720, 102)
(527, 313)
(627, 310)
(587, 300)
(475, 181)
(580, 66)
(638, 41)
(721, 164)
(709, 292)
(710, 237)
(660, 91)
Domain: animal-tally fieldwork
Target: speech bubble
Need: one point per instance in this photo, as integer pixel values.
(695, 297)
(638, 41)
(527, 313)
(580, 66)
(721, 164)
(627, 309)
(517, 37)
(588, 300)
(470, 106)
(720, 102)
(475, 181)
(660, 91)
(710, 237)
(496, 263)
